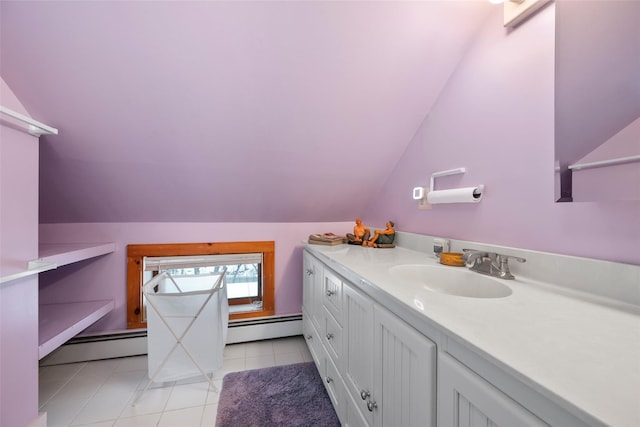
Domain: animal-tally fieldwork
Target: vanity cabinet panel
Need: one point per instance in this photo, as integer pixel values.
(312, 337)
(404, 373)
(334, 385)
(467, 400)
(352, 415)
(312, 289)
(358, 350)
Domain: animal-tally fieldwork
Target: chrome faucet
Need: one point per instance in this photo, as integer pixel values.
(489, 263)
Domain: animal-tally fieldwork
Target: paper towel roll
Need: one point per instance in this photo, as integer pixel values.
(456, 195)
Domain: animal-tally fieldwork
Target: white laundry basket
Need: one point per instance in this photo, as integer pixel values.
(187, 320)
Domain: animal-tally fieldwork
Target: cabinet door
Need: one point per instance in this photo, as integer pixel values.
(358, 347)
(467, 400)
(312, 288)
(404, 362)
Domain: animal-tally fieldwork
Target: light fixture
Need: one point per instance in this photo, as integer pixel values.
(516, 11)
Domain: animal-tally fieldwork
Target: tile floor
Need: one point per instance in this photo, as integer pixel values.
(99, 393)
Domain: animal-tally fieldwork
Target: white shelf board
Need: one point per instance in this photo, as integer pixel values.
(61, 322)
(68, 253)
(33, 267)
(54, 255)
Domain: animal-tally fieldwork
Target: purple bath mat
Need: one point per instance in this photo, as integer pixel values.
(291, 395)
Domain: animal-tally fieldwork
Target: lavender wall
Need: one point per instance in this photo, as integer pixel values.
(496, 118)
(619, 182)
(185, 94)
(104, 277)
(18, 245)
(597, 85)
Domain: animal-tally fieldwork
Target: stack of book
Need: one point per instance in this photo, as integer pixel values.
(329, 239)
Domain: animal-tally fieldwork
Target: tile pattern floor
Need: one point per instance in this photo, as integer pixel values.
(100, 393)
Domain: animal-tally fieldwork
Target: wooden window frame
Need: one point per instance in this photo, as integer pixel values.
(136, 254)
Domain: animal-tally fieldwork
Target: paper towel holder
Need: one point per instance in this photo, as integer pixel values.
(470, 194)
(432, 185)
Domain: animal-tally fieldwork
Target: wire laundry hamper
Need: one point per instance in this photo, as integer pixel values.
(187, 322)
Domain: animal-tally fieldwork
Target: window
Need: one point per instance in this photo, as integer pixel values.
(250, 273)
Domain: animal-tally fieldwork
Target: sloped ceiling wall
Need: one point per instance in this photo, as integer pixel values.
(597, 84)
(226, 111)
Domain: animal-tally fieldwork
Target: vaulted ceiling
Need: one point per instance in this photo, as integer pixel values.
(226, 111)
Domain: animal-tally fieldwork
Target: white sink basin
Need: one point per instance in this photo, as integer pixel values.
(457, 281)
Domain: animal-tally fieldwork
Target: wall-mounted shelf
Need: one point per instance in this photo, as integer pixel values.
(52, 256)
(33, 267)
(60, 322)
(68, 253)
(36, 128)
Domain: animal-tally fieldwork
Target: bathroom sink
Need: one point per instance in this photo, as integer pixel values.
(457, 281)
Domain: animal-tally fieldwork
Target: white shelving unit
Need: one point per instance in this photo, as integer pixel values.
(62, 321)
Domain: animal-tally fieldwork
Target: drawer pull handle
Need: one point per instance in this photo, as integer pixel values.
(309, 337)
(329, 336)
(364, 394)
(331, 293)
(371, 405)
(309, 272)
(329, 379)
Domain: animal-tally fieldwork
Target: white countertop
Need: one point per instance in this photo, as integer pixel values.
(582, 351)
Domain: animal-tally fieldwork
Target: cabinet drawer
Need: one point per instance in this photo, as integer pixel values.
(335, 386)
(352, 415)
(332, 294)
(312, 337)
(332, 337)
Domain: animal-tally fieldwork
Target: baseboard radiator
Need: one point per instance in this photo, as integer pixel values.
(134, 343)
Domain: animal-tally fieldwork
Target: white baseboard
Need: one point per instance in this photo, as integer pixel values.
(134, 343)
(98, 347)
(264, 329)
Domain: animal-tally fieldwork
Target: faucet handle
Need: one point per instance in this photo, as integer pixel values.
(506, 258)
(503, 261)
(473, 257)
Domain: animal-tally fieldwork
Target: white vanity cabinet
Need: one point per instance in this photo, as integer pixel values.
(377, 369)
(398, 357)
(467, 400)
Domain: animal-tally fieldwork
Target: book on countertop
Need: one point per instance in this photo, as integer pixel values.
(327, 239)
